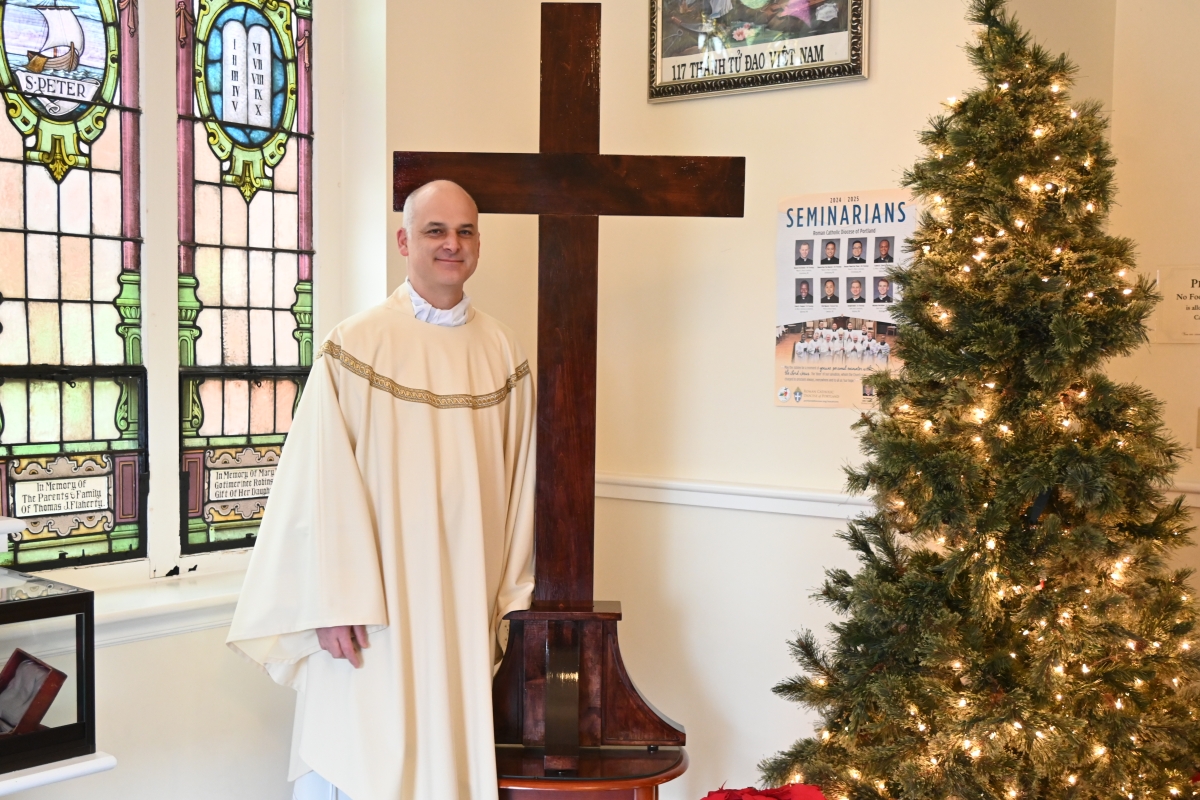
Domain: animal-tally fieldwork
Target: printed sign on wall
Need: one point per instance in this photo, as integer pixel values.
(1177, 318)
(836, 255)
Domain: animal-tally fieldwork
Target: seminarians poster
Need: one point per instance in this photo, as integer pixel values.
(835, 255)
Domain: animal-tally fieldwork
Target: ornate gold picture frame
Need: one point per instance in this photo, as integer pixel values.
(707, 47)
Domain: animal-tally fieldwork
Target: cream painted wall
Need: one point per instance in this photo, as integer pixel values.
(353, 174)
(710, 598)
(1144, 72)
(187, 720)
(1083, 29)
(1155, 116)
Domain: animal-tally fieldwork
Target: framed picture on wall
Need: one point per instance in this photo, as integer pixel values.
(707, 47)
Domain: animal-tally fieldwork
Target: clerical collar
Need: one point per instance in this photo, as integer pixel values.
(447, 318)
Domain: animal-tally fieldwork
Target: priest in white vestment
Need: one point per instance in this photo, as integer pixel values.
(398, 533)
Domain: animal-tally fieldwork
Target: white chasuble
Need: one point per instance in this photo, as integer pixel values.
(404, 502)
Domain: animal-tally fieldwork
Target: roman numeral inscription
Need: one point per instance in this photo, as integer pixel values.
(246, 75)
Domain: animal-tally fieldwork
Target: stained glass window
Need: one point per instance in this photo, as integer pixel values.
(245, 256)
(73, 461)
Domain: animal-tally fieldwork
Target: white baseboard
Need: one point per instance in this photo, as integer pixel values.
(21, 780)
(733, 496)
(767, 499)
(1190, 492)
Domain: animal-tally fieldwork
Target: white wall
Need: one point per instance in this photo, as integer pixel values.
(686, 326)
(1142, 67)
(1083, 29)
(353, 172)
(1155, 114)
(187, 720)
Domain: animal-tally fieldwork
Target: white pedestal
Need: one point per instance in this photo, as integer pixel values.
(72, 768)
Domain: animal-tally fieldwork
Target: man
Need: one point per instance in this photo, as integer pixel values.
(853, 351)
(856, 295)
(830, 295)
(885, 252)
(802, 292)
(831, 256)
(803, 254)
(883, 291)
(856, 253)
(399, 532)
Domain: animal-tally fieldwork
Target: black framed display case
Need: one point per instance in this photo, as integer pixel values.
(47, 681)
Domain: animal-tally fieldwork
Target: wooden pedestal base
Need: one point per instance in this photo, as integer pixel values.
(604, 773)
(562, 686)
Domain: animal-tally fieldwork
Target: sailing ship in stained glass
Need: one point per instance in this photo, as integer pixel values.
(63, 43)
(245, 264)
(73, 459)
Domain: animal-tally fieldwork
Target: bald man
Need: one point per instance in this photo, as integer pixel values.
(399, 532)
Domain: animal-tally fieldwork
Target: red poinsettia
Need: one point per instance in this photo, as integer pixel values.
(793, 791)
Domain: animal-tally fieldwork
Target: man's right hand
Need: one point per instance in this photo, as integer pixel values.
(344, 641)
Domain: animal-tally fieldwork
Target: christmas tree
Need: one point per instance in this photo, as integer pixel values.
(1014, 629)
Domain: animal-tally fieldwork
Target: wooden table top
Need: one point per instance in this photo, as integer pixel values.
(599, 768)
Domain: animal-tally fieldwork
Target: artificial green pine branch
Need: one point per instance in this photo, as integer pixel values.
(1013, 630)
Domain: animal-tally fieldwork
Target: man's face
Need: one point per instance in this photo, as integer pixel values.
(882, 288)
(884, 247)
(857, 249)
(830, 250)
(829, 289)
(804, 250)
(804, 290)
(855, 288)
(443, 248)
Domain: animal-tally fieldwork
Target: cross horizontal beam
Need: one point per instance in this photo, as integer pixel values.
(582, 184)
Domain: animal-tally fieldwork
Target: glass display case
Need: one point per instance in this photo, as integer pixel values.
(47, 681)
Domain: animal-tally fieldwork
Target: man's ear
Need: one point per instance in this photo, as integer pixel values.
(402, 241)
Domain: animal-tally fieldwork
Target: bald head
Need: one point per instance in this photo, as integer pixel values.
(440, 239)
(438, 191)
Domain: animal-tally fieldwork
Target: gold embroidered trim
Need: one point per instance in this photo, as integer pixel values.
(364, 370)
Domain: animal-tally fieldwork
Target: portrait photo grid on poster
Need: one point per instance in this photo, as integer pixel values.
(835, 255)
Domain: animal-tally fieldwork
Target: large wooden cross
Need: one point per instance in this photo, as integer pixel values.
(569, 184)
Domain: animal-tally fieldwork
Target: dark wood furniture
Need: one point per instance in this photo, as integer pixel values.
(609, 773)
(566, 711)
(64, 620)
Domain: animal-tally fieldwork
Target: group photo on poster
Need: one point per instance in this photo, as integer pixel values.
(835, 255)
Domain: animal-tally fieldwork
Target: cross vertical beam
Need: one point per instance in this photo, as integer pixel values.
(568, 258)
(570, 99)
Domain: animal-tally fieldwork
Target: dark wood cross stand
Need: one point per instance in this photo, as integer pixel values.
(569, 722)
